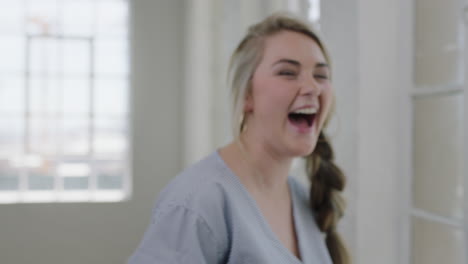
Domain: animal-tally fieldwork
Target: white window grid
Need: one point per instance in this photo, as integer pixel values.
(460, 224)
(437, 91)
(456, 88)
(411, 93)
(58, 193)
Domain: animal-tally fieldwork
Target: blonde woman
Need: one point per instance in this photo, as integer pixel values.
(239, 204)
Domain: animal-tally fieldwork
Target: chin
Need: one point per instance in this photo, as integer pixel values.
(304, 149)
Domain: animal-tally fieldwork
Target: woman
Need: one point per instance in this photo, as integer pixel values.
(239, 205)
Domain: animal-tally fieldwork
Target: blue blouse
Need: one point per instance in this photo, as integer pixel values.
(205, 215)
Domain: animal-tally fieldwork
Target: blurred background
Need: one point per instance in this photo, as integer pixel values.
(102, 102)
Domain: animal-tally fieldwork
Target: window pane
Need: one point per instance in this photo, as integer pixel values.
(76, 183)
(75, 174)
(437, 43)
(434, 243)
(11, 17)
(44, 57)
(111, 57)
(112, 18)
(111, 96)
(42, 17)
(314, 10)
(11, 136)
(9, 175)
(76, 96)
(78, 17)
(76, 136)
(110, 139)
(76, 58)
(44, 96)
(12, 54)
(43, 136)
(40, 180)
(11, 96)
(40, 173)
(438, 152)
(110, 174)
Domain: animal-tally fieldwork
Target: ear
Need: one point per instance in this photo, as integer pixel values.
(248, 103)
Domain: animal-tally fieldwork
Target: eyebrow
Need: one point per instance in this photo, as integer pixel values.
(296, 63)
(321, 64)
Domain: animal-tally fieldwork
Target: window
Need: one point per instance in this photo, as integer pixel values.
(438, 194)
(63, 101)
(314, 11)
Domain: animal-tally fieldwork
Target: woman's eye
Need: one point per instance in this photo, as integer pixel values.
(287, 73)
(321, 76)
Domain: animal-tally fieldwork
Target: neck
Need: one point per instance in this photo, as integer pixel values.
(265, 171)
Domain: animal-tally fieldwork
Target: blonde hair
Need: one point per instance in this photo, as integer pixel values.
(327, 180)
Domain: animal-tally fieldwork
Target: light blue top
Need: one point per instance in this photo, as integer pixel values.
(205, 215)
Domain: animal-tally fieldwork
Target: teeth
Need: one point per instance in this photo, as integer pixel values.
(306, 111)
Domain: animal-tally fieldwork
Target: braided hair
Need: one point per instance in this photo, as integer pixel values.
(327, 181)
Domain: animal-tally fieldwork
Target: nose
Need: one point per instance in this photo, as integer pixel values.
(310, 86)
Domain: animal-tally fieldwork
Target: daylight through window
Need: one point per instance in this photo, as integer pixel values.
(64, 100)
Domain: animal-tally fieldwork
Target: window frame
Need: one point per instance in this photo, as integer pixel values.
(407, 48)
(92, 193)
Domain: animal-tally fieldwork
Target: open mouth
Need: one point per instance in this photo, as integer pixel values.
(302, 120)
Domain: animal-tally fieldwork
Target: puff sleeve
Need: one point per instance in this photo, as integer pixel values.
(177, 235)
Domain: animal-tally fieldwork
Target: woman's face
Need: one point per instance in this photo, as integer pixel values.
(291, 94)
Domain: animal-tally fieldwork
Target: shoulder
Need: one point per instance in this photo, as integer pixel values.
(202, 189)
(201, 182)
(187, 223)
(178, 235)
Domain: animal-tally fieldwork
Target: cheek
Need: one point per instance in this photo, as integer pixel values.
(273, 96)
(326, 99)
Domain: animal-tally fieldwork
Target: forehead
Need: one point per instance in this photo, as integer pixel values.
(292, 45)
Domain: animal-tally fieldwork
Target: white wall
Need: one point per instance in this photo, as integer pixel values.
(339, 29)
(378, 125)
(108, 233)
(370, 44)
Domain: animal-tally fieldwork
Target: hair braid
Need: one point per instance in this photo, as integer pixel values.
(325, 198)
